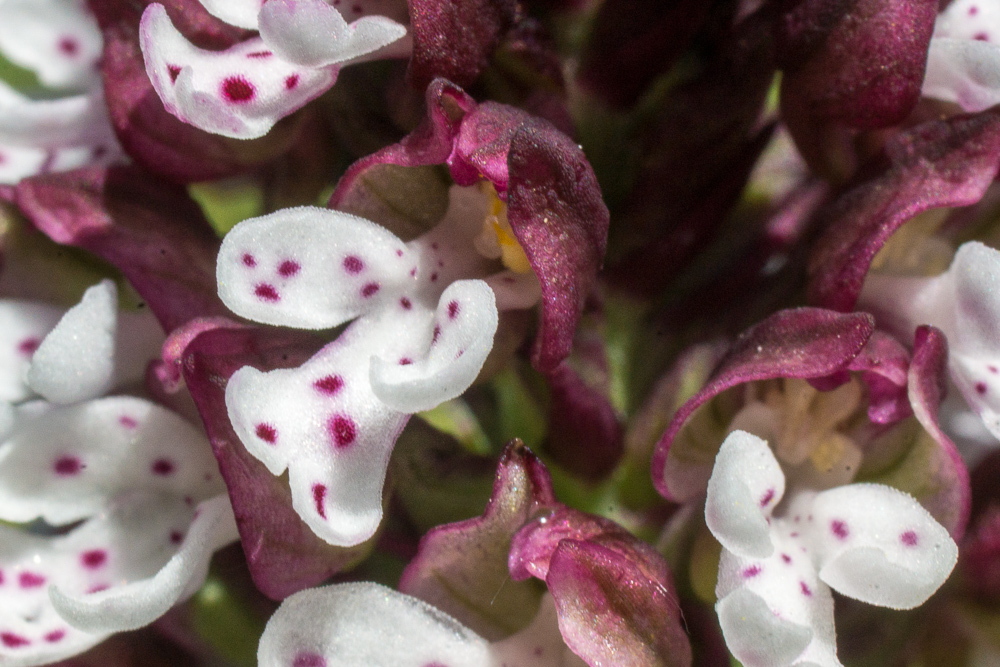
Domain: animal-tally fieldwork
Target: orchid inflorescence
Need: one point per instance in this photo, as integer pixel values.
(542, 333)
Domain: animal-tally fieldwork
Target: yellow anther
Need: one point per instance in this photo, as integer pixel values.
(497, 239)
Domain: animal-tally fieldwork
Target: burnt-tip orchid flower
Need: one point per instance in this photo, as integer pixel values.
(68, 126)
(783, 550)
(424, 314)
(524, 224)
(964, 304)
(243, 91)
(114, 504)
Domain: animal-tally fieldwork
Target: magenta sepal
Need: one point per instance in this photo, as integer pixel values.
(614, 594)
(152, 231)
(460, 567)
(937, 164)
(456, 40)
(805, 343)
(554, 203)
(283, 553)
(951, 498)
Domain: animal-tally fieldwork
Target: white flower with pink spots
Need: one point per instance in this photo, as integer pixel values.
(243, 91)
(424, 315)
(782, 553)
(963, 63)
(115, 504)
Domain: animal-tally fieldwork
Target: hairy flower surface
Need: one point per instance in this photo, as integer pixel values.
(67, 127)
(243, 91)
(867, 541)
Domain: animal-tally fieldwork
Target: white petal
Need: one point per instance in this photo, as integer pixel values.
(241, 92)
(746, 484)
(963, 71)
(76, 360)
(23, 325)
(59, 40)
(970, 20)
(143, 540)
(538, 645)
(366, 624)
(240, 13)
(68, 121)
(322, 422)
(314, 34)
(878, 545)
(515, 291)
(465, 323)
(311, 268)
(64, 463)
(755, 635)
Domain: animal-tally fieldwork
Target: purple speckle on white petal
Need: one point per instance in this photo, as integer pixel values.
(128, 422)
(369, 290)
(260, 54)
(162, 467)
(266, 292)
(319, 496)
(30, 580)
(804, 587)
(767, 498)
(291, 81)
(751, 572)
(453, 310)
(288, 268)
(94, 558)
(237, 90)
(329, 385)
(909, 538)
(343, 430)
(249, 260)
(28, 346)
(405, 303)
(54, 636)
(173, 71)
(353, 265)
(839, 529)
(267, 433)
(786, 558)
(981, 388)
(67, 465)
(69, 46)
(11, 640)
(308, 660)
(405, 361)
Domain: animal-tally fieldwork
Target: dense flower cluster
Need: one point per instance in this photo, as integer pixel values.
(535, 333)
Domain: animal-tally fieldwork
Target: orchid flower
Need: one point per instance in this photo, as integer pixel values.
(963, 303)
(365, 623)
(126, 493)
(424, 317)
(243, 91)
(783, 552)
(964, 57)
(59, 41)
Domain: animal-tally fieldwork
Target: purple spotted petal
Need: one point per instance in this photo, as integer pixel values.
(284, 555)
(607, 623)
(937, 164)
(461, 568)
(137, 477)
(240, 92)
(555, 207)
(879, 84)
(800, 343)
(152, 231)
(949, 499)
(151, 136)
(455, 40)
